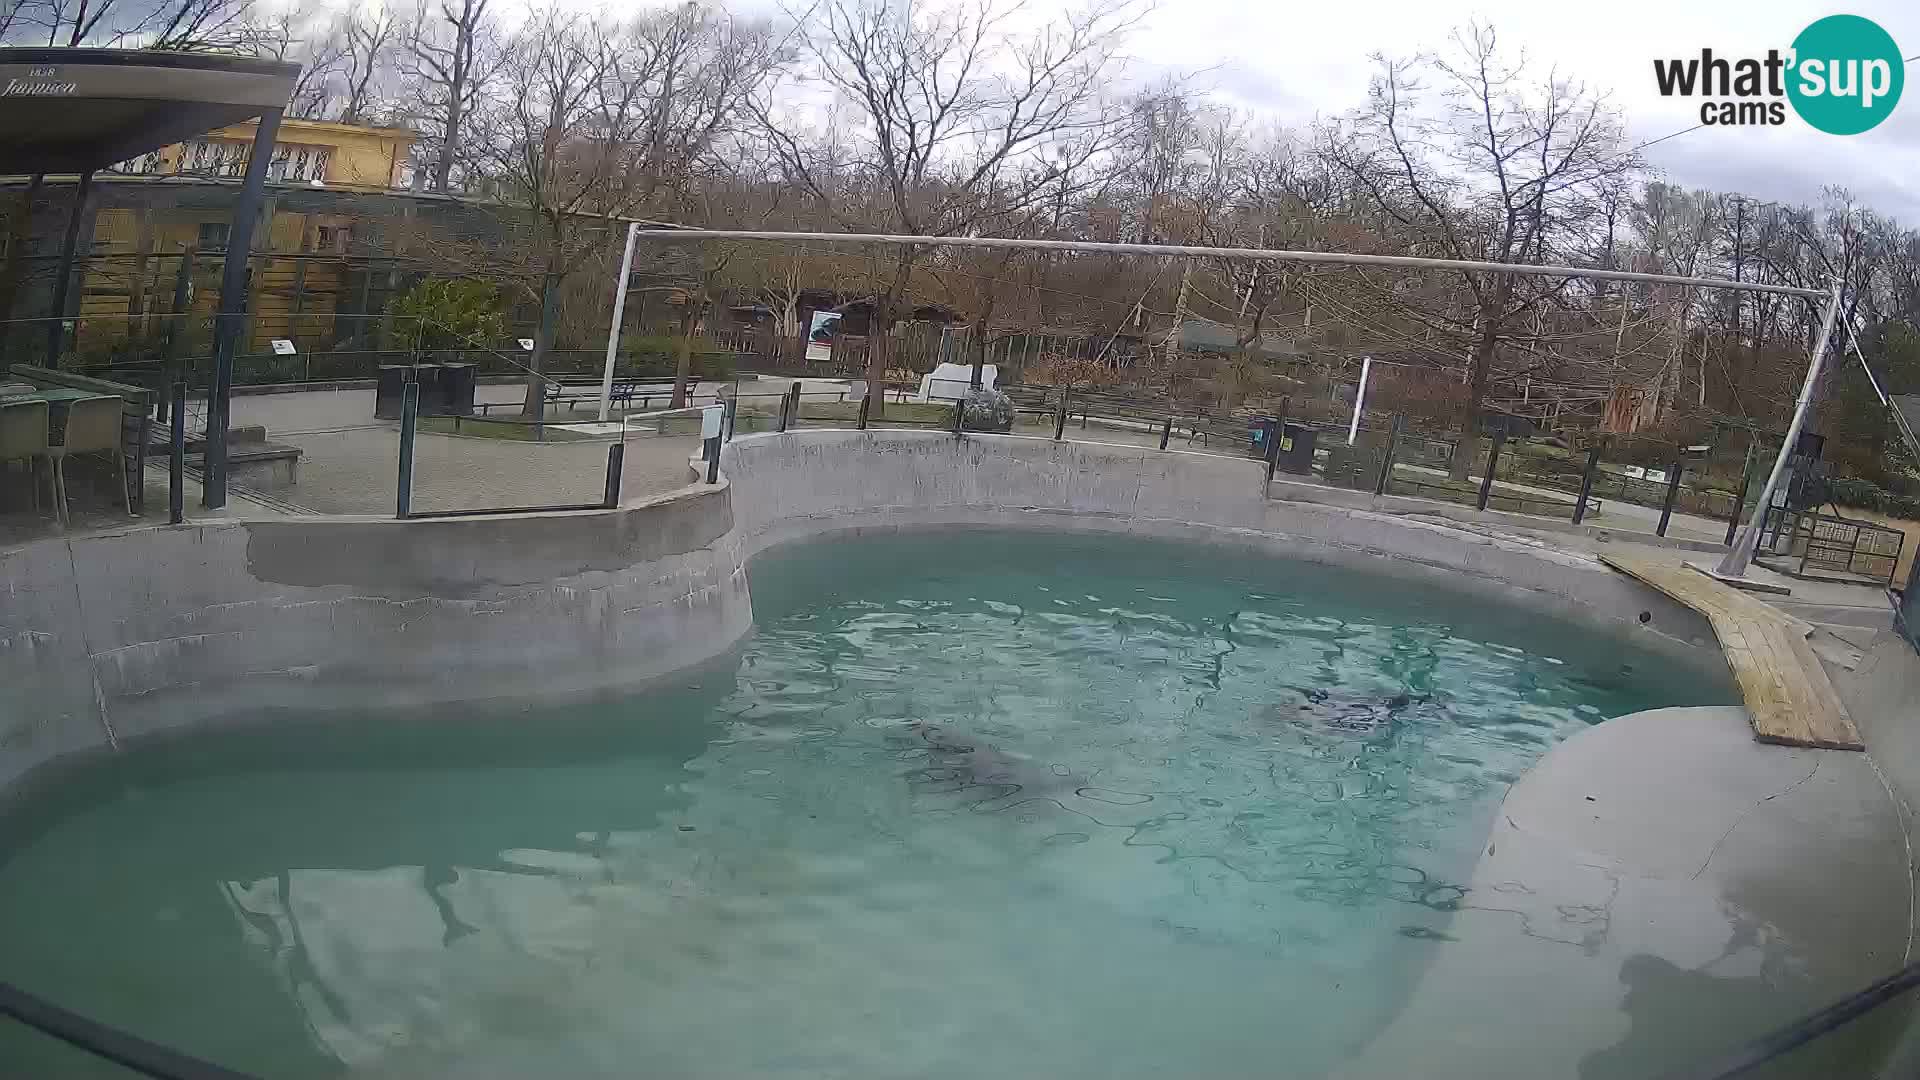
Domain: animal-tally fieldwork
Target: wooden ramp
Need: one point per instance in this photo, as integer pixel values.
(1789, 698)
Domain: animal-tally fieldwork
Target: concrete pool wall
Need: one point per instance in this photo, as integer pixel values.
(107, 638)
(1593, 916)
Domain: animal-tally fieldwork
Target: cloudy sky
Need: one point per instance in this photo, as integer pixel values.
(1297, 61)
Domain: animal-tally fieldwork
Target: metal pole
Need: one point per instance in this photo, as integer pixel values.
(1256, 254)
(613, 331)
(864, 402)
(959, 417)
(1166, 431)
(616, 455)
(1586, 483)
(1359, 398)
(1386, 460)
(1740, 500)
(1735, 563)
(177, 453)
(1493, 459)
(233, 306)
(56, 326)
(1060, 417)
(409, 413)
(1273, 440)
(727, 418)
(712, 448)
(1673, 492)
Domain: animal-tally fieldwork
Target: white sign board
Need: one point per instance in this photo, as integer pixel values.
(1656, 476)
(1635, 472)
(526, 343)
(282, 347)
(825, 327)
(710, 421)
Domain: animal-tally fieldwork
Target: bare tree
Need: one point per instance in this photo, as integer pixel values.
(152, 24)
(450, 54)
(370, 39)
(954, 118)
(1506, 170)
(596, 122)
(304, 35)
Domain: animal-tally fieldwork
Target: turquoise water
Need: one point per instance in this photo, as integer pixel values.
(964, 805)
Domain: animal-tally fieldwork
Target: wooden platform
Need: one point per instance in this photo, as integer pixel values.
(1789, 698)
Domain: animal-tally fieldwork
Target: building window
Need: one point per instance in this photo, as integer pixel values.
(214, 158)
(294, 163)
(213, 236)
(332, 240)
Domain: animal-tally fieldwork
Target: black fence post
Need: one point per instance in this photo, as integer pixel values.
(409, 415)
(1166, 431)
(1060, 417)
(1586, 482)
(616, 457)
(864, 403)
(177, 453)
(1673, 492)
(1740, 500)
(712, 448)
(1493, 460)
(1273, 440)
(727, 418)
(1386, 459)
(959, 416)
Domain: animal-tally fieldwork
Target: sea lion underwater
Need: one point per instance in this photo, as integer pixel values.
(1346, 712)
(958, 761)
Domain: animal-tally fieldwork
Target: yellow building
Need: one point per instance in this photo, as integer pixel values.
(305, 151)
(154, 241)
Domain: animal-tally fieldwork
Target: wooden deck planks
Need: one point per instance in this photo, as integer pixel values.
(1789, 697)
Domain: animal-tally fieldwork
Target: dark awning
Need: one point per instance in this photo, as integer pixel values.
(74, 110)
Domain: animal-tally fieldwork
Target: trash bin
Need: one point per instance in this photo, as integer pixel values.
(432, 394)
(387, 390)
(1260, 431)
(1296, 449)
(456, 388)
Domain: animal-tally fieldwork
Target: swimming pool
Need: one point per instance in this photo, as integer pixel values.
(966, 803)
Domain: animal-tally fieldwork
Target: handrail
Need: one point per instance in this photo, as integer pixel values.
(1772, 1045)
(120, 1047)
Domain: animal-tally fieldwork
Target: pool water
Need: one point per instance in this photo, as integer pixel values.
(965, 804)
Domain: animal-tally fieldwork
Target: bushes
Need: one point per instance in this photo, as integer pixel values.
(1866, 495)
(654, 357)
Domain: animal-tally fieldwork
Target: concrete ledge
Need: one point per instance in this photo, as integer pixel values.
(111, 637)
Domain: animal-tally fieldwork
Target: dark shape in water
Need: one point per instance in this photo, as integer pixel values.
(957, 761)
(1348, 713)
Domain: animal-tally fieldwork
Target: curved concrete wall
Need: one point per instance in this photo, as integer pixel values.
(793, 486)
(104, 638)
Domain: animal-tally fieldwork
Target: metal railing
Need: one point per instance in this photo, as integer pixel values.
(1820, 542)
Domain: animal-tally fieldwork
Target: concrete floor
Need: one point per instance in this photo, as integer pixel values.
(1655, 891)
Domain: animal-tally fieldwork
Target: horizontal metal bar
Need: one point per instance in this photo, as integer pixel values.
(416, 515)
(1256, 254)
(119, 1047)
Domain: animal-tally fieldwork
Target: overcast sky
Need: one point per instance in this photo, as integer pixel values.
(1297, 61)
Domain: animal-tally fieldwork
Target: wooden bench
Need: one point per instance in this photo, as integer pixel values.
(136, 417)
(624, 392)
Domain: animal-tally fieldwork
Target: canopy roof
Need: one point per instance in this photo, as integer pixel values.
(75, 110)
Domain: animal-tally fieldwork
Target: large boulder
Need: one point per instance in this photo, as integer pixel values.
(988, 410)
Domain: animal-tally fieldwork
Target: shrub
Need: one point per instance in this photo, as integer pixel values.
(1866, 495)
